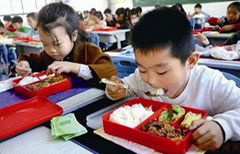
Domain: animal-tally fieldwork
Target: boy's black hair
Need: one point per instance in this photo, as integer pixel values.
(7, 18)
(60, 15)
(17, 19)
(107, 11)
(133, 11)
(198, 5)
(120, 11)
(161, 29)
(33, 15)
(235, 5)
(139, 9)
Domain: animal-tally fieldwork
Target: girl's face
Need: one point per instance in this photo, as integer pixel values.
(161, 70)
(32, 23)
(108, 16)
(59, 46)
(233, 15)
(97, 20)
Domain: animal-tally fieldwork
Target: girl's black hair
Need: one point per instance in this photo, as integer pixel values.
(33, 15)
(161, 29)
(235, 5)
(98, 14)
(59, 14)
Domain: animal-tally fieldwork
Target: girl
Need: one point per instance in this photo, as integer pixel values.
(99, 22)
(230, 23)
(65, 47)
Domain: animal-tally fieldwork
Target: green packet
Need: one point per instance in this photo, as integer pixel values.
(66, 127)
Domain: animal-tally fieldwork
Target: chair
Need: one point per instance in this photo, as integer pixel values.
(125, 66)
(199, 23)
(232, 77)
(94, 38)
(192, 22)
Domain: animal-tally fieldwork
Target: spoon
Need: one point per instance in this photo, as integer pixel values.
(151, 93)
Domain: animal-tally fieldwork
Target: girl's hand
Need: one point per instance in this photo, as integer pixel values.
(208, 134)
(219, 20)
(116, 92)
(63, 67)
(23, 68)
(226, 28)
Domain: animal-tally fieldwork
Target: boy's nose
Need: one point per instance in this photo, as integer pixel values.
(152, 81)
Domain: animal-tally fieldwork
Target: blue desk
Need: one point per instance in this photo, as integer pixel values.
(79, 95)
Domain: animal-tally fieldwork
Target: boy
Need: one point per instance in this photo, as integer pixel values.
(199, 13)
(165, 58)
(110, 19)
(21, 30)
(8, 23)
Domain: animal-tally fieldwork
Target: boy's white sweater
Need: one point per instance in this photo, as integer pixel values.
(208, 90)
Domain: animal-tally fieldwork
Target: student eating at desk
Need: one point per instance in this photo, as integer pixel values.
(230, 23)
(65, 48)
(165, 58)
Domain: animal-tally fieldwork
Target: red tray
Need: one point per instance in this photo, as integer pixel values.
(52, 89)
(25, 115)
(137, 135)
(105, 29)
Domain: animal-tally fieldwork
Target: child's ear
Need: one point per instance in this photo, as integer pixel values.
(192, 60)
(75, 35)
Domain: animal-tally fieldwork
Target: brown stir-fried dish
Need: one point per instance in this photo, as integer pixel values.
(44, 83)
(165, 130)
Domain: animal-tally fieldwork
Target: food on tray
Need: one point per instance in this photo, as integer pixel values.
(172, 114)
(44, 83)
(32, 78)
(27, 80)
(156, 92)
(189, 117)
(165, 130)
(131, 116)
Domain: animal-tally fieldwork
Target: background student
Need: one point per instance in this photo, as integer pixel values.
(8, 23)
(168, 62)
(198, 13)
(21, 31)
(123, 19)
(65, 47)
(32, 21)
(230, 23)
(110, 19)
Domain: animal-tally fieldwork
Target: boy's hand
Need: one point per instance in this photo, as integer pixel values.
(63, 67)
(23, 68)
(116, 92)
(208, 134)
(203, 39)
(226, 28)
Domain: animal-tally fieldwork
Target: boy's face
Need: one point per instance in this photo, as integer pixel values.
(108, 16)
(17, 26)
(7, 23)
(59, 46)
(197, 10)
(161, 70)
(32, 22)
(233, 15)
